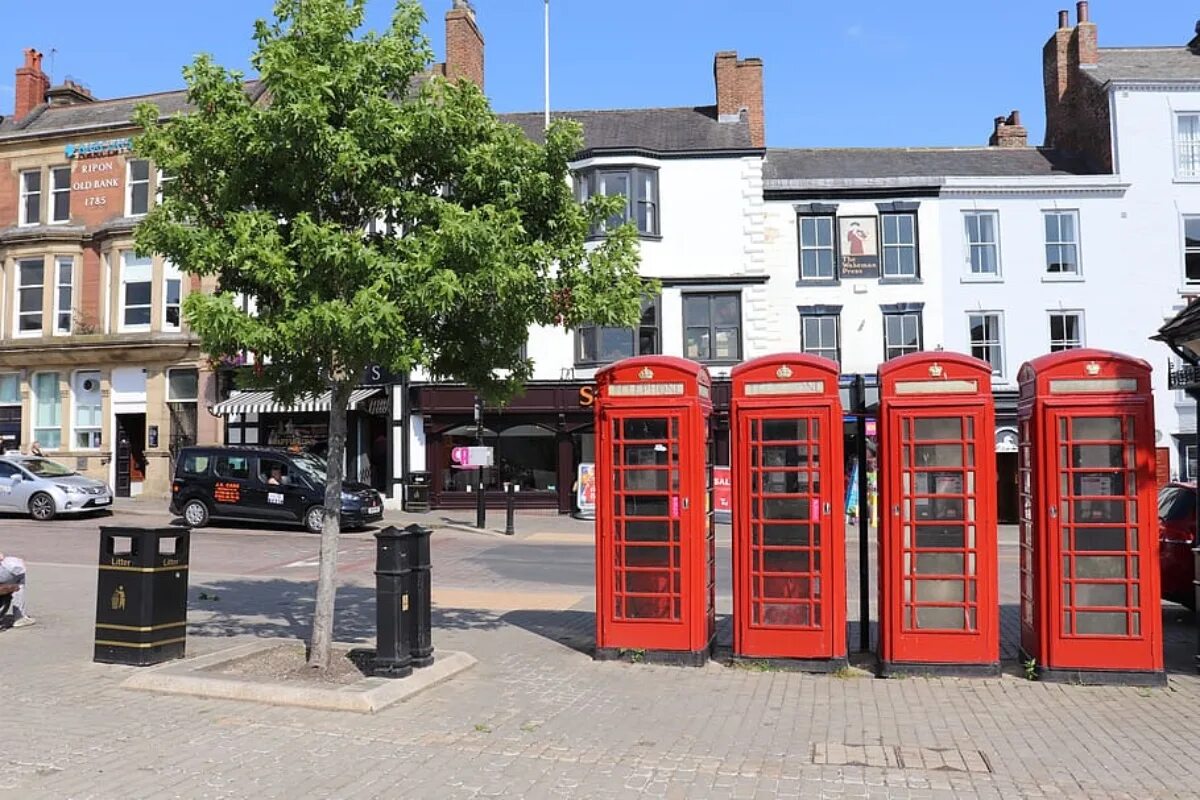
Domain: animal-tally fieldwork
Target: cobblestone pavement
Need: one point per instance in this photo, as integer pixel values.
(537, 717)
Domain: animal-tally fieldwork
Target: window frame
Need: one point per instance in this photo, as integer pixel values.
(998, 317)
(584, 331)
(1060, 275)
(1078, 313)
(40, 291)
(1184, 467)
(56, 190)
(23, 195)
(884, 248)
(122, 306)
(905, 350)
(170, 273)
(177, 439)
(16, 376)
(76, 428)
(820, 316)
(835, 276)
(130, 184)
(1193, 251)
(712, 327)
(588, 182)
(1178, 149)
(35, 404)
(55, 328)
(972, 246)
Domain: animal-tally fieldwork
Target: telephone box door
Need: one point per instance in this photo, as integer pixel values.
(784, 469)
(945, 567)
(1093, 528)
(647, 575)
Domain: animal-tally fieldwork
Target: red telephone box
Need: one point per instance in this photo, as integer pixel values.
(1090, 594)
(938, 604)
(789, 560)
(655, 544)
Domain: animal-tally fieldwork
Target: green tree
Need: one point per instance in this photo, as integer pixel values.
(278, 188)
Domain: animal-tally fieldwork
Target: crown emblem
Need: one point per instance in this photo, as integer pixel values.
(935, 370)
(783, 372)
(1092, 368)
(646, 374)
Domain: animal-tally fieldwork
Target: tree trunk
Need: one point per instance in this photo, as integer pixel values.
(321, 645)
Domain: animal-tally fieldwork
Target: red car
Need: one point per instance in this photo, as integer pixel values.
(1176, 538)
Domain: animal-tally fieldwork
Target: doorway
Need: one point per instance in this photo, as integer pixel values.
(130, 455)
(1006, 489)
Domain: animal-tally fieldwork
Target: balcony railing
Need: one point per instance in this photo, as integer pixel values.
(1183, 376)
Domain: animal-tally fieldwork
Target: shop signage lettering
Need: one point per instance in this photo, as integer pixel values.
(471, 456)
(587, 396)
(105, 147)
(645, 389)
(103, 176)
(722, 491)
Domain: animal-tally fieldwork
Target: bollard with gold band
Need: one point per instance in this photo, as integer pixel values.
(141, 595)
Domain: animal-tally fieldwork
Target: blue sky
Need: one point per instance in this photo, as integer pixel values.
(870, 73)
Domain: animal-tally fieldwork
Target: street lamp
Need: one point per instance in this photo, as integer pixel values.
(480, 503)
(1182, 335)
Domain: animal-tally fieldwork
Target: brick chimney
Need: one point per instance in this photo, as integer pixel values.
(1076, 108)
(32, 84)
(1009, 132)
(464, 45)
(739, 85)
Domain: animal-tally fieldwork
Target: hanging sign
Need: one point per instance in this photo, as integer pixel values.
(859, 247)
(471, 457)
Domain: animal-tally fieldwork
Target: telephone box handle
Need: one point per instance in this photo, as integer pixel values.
(1053, 512)
(896, 510)
(828, 508)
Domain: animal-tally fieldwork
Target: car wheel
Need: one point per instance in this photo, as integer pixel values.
(41, 507)
(314, 519)
(195, 514)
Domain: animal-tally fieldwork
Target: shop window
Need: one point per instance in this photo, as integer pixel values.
(597, 344)
(183, 387)
(524, 455)
(47, 411)
(86, 414)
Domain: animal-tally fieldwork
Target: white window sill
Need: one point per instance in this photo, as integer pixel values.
(59, 221)
(28, 224)
(1187, 179)
(981, 279)
(28, 334)
(1063, 278)
(133, 329)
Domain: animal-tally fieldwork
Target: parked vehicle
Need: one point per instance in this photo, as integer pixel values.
(1176, 538)
(44, 489)
(262, 484)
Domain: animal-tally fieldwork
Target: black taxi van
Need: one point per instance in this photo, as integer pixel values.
(262, 484)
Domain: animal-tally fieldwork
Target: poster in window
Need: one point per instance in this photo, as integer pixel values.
(858, 245)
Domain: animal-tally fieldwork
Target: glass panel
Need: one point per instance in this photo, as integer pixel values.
(944, 618)
(1096, 428)
(1100, 539)
(643, 506)
(1099, 594)
(939, 428)
(644, 531)
(939, 564)
(645, 428)
(943, 591)
(779, 508)
(1100, 567)
(646, 455)
(1096, 455)
(785, 561)
(645, 480)
(789, 614)
(1101, 622)
(939, 455)
(1096, 511)
(939, 536)
(783, 430)
(785, 535)
(647, 556)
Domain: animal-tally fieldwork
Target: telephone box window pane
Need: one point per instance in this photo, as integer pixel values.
(939, 564)
(940, 508)
(791, 615)
(786, 561)
(1099, 594)
(785, 535)
(1097, 511)
(785, 430)
(1110, 539)
(780, 508)
(645, 429)
(1100, 567)
(641, 506)
(646, 480)
(794, 588)
(645, 531)
(1097, 455)
(943, 618)
(648, 608)
(1096, 428)
(939, 455)
(647, 556)
(943, 591)
(939, 536)
(1101, 622)
(1099, 484)
(645, 455)
(939, 428)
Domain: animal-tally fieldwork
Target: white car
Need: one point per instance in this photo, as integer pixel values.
(44, 489)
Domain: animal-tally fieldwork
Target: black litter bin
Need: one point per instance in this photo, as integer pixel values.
(141, 596)
(416, 492)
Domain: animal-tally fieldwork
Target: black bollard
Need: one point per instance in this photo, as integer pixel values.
(421, 632)
(510, 509)
(393, 604)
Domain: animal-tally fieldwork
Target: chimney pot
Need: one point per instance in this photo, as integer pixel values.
(1064, 19)
(1014, 118)
(1081, 12)
(464, 45)
(739, 85)
(31, 84)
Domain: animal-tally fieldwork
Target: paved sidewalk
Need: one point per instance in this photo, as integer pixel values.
(538, 718)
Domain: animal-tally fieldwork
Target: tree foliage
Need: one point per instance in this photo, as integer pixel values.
(375, 214)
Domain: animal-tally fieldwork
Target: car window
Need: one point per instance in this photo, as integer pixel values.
(194, 464)
(45, 468)
(233, 467)
(8, 470)
(275, 472)
(1176, 504)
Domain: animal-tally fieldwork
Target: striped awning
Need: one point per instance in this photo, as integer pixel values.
(266, 403)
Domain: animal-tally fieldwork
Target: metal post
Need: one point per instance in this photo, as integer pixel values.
(480, 501)
(420, 627)
(864, 550)
(510, 508)
(393, 617)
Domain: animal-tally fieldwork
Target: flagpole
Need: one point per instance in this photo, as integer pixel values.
(546, 29)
